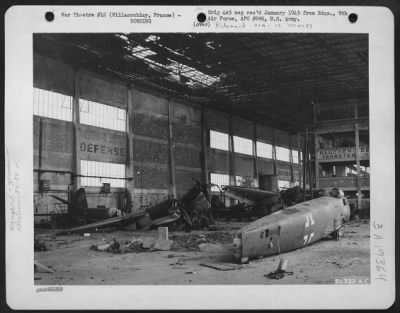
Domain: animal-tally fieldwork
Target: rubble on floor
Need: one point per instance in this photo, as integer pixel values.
(281, 271)
(192, 241)
(39, 245)
(40, 268)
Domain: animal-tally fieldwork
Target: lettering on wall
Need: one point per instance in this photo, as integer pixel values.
(284, 174)
(103, 152)
(343, 153)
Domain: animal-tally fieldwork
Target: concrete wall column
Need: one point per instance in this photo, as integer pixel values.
(204, 163)
(255, 165)
(130, 164)
(76, 121)
(232, 166)
(357, 140)
(172, 185)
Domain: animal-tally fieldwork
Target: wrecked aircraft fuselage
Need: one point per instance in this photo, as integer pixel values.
(292, 228)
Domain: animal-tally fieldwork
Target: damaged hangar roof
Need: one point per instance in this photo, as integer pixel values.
(271, 78)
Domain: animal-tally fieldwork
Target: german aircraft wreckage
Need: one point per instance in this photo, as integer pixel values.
(292, 228)
(192, 209)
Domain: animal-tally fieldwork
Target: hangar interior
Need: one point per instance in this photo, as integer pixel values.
(144, 114)
(200, 153)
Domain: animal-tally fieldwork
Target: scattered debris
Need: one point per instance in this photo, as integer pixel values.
(222, 266)
(179, 262)
(163, 233)
(40, 268)
(191, 272)
(280, 271)
(163, 245)
(212, 247)
(148, 242)
(191, 241)
(39, 245)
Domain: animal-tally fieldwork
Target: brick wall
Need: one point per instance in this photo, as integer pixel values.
(151, 177)
(150, 126)
(147, 151)
(188, 157)
(184, 181)
(186, 134)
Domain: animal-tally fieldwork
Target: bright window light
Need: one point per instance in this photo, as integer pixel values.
(245, 181)
(243, 145)
(219, 140)
(52, 104)
(218, 179)
(111, 173)
(283, 184)
(102, 115)
(282, 154)
(264, 150)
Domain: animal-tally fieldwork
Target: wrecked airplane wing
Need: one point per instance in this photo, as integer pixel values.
(259, 202)
(250, 193)
(105, 223)
(293, 227)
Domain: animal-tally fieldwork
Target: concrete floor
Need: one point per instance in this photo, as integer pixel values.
(74, 263)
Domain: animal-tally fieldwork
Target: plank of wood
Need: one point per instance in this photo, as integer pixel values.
(222, 266)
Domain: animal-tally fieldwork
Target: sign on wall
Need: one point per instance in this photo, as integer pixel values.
(102, 146)
(342, 154)
(284, 174)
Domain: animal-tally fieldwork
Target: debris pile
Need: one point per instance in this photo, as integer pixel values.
(191, 241)
(146, 244)
(39, 245)
(281, 271)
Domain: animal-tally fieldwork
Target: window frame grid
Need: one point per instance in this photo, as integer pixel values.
(219, 140)
(51, 104)
(218, 180)
(260, 144)
(102, 115)
(279, 150)
(103, 169)
(243, 145)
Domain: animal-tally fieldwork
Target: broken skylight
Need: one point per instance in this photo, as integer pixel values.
(177, 71)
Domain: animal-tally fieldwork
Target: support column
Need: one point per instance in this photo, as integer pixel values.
(304, 171)
(77, 138)
(299, 158)
(232, 167)
(40, 151)
(130, 163)
(291, 160)
(316, 149)
(204, 162)
(172, 186)
(255, 165)
(357, 140)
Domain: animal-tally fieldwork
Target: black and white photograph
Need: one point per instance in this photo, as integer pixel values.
(232, 157)
(201, 158)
